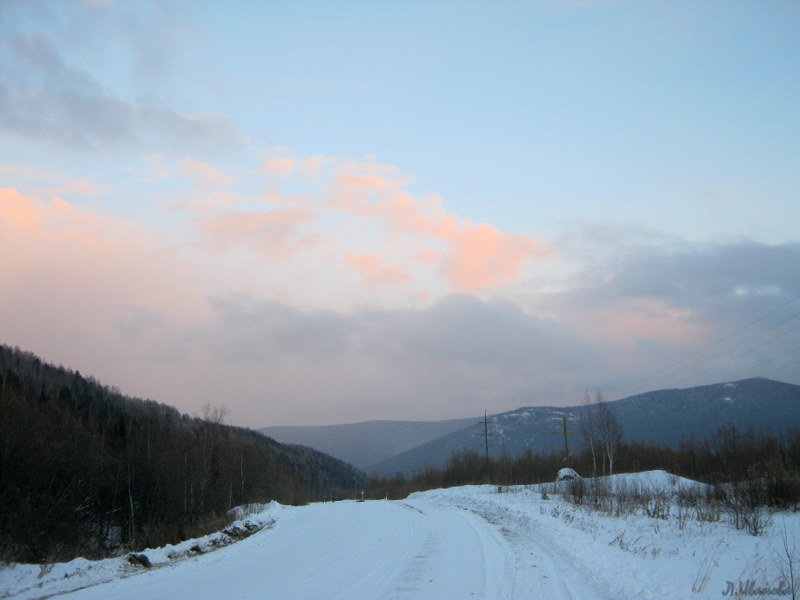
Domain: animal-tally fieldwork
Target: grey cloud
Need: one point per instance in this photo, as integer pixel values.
(45, 69)
(251, 331)
(458, 329)
(136, 321)
(745, 276)
(456, 355)
(633, 261)
(45, 100)
(462, 353)
(464, 329)
(739, 293)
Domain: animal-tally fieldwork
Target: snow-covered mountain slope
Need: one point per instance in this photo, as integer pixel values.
(467, 542)
(664, 417)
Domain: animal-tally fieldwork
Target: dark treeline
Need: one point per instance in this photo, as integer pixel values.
(729, 455)
(87, 471)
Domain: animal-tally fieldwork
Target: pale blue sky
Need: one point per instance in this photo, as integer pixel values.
(534, 112)
(680, 115)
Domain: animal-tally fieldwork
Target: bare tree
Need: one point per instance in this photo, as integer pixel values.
(587, 425)
(608, 432)
(214, 414)
(600, 431)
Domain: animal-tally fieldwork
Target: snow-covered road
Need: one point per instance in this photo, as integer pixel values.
(341, 550)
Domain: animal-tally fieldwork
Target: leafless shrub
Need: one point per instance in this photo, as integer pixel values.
(708, 508)
(745, 503)
(656, 506)
(627, 499)
(140, 560)
(787, 562)
(682, 515)
(576, 491)
(600, 494)
(686, 499)
(547, 489)
(709, 562)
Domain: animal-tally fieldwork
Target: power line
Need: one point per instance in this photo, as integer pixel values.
(793, 363)
(734, 357)
(748, 351)
(787, 353)
(662, 374)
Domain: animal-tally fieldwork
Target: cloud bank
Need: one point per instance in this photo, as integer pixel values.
(120, 303)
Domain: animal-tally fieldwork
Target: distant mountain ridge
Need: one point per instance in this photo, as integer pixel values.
(367, 443)
(661, 417)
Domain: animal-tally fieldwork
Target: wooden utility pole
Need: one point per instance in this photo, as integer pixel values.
(563, 430)
(486, 434)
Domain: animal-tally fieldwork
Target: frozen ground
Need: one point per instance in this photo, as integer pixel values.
(466, 542)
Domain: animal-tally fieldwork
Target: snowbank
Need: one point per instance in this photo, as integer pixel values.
(27, 581)
(650, 482)
(672, 556)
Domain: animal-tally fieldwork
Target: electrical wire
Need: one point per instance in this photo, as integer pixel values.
(669, 371)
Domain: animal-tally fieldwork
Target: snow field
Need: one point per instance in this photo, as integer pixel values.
(634, 556)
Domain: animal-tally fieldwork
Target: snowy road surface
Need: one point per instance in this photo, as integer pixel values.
(341, 550)
(460, 543)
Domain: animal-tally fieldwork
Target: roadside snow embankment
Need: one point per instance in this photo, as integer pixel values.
(22, 581)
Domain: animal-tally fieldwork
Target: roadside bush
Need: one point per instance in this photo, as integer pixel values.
(746, 505)
(576, 491)
(783, 491)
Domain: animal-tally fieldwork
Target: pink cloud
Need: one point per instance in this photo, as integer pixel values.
(79, 188)
(271, 196)
(154, 169)
(46, 182)
(204, 174)
(288, 166)
(272, 233)
(375, 272)
(26, 173)
(17, 211)
(484, 257)
(428, 255)
(314, 164)
(282, 167)
(203, 201)
(645, 318)
(68, 274)
(473, 256)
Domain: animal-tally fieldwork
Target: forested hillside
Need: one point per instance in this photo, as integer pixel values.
(85, 470)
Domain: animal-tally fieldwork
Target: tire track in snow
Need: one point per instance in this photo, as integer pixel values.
(542, 567)
(468, 559)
